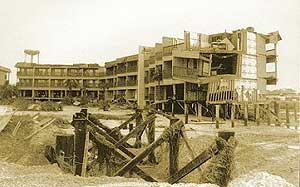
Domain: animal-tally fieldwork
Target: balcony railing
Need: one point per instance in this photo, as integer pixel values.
(151, 96)
(58, 74)
(41, 74)
(41, 84)
(23, 84)
(24, 73)
(121, 69)
(110, 85)
(121, 83)
(131, 82)
(74, 74)
(57, 85)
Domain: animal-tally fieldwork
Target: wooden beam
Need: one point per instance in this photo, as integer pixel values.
(186, 113)
(151, 139)
(174, 149)
(135, 169)
(139, 128)
(165, 136)
(45, 125)
(125, 123)
(199, 160)
(139, 121)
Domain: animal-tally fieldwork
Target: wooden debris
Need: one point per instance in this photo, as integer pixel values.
(45, 125)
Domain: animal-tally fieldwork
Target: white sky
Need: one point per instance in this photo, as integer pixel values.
(73, 31)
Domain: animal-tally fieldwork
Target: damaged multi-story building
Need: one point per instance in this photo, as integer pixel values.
(213, 69)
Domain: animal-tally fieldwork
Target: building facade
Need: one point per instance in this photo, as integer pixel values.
(217, 68)
(55, 82)
(4, 75)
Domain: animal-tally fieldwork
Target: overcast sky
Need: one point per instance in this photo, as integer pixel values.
(73, 31)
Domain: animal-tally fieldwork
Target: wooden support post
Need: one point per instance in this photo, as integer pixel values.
(199, 111)
(295, 112)
(101, 155)
(257, 114)
(151, 139)
(186, 113)
(232, 115)
(268, 115)
(276, 109)
(287, 113)
(174, 149)
(173, 100)
(199, 160)
(217, 116)
(139, 120)
(65, 146)
(246, 114)
(80, 147)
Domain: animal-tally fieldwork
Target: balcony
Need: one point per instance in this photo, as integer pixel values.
(41, 84)
(152, 60)
(131, 82)
(271, 53)
(41, 73)
(24, 73)
(58, 74)
(167, 51)
(24, 84)
(132, 69)
(121, 83)
(57, 85)
(182, 72)
(167, 74)
(110, 85)
(158, 56)
(74, 74)
(151, 96)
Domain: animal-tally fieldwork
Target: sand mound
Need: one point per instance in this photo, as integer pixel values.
(260, 179)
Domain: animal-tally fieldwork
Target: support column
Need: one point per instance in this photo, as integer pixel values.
(217, 116)
(246, 114)
(199, 112)
(257, 115)
(276, 109)
(141, 80)
(287, 113)
(232, 115)
(186, 113)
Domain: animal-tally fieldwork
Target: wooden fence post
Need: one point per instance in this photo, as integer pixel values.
(268, 115)
(217, 116)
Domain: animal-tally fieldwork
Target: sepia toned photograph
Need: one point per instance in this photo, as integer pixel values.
(159, 93)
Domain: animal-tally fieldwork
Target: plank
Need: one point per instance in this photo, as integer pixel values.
(45, 125)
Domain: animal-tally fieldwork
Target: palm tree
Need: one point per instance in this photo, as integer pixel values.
(157, 76)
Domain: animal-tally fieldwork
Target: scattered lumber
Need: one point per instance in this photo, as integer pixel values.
(45, 125)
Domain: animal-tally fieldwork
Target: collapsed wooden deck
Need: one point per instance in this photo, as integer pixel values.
(110, 144)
